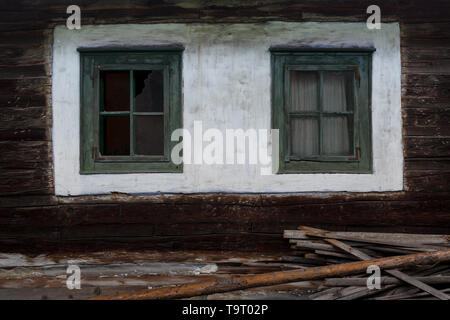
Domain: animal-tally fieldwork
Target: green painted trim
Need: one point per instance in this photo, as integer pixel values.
(299, 49)
(360, 159)
(127, 49)
(92, 63)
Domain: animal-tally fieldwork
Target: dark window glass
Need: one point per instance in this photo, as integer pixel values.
(148, 128)
(148, 94)
(116, 90)
(116, 135)
(149, 135)
(130, 105)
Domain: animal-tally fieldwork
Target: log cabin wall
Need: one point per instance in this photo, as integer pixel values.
(32, 218)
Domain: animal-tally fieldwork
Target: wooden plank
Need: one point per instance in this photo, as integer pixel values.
(258, 280)
(362, 282)
(375, 240)
(401, 238)
(312, 245)
(294, 234)
(422, 147)
(365, 292)
(430, 180)
(333, 254)
(396, 273)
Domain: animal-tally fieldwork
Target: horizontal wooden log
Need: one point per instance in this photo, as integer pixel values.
(25, 117)
(431, 30)
(25, 181)
(19, 72)
(32, 16)
(425, 81)
(25, 134)
(427, 164)
(212, 221)
(430, 181)
(25, 151)
(421, 147)
(437, 91)
(424, 102)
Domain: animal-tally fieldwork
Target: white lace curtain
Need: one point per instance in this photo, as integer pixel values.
(304, 97)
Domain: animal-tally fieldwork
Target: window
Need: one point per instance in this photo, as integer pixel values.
(321, 105)
(130, 104)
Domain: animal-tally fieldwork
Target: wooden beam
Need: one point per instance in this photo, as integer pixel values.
(267, 279)
(396, 273)
(362, 282)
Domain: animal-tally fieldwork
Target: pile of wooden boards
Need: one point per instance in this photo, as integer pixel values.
(316, 247)
(417, 265)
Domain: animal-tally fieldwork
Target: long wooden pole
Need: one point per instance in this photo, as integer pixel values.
(274, 278)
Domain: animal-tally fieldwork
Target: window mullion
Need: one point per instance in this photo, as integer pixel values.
(320, 105)
(286, 110)
(131, 113)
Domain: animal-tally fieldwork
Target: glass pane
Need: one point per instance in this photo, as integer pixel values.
(149, 88)
(149, 135)
(304, 90)
(116, 90)
(115, 131)
(336, 137)
(304, 136)
(337, 91)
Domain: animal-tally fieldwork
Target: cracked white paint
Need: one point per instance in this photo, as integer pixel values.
(226, 84)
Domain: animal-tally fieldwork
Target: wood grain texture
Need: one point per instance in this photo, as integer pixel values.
(32, 218)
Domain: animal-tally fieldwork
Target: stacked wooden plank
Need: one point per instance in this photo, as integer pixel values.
(316, 247)
(422, 274)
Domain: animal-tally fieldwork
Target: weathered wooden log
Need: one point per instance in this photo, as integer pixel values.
(362, 282)
(267, 279)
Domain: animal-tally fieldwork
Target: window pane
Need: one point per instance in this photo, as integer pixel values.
(336, 138)
(116, 86)
(304, 136)
(149, 87)
(149, 135)
(337, 91)
(116, 135)
(304, 91)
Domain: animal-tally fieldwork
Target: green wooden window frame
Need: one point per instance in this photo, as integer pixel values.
(357, 61)
(95, 60)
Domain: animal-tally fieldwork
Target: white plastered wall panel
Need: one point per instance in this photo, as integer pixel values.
(227, 85)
